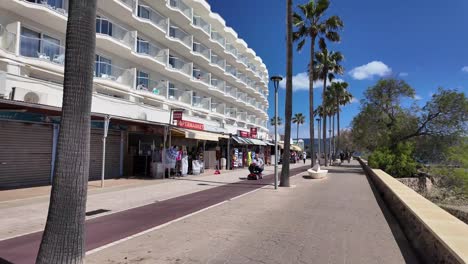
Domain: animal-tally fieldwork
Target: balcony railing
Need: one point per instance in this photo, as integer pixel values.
(180, 5)
(128, 3)
(199, 22)
(230, 112)
(107, 27)
(148, 13)
(7, 40)
(241, 96)
(179, 34)
(153, 87)
(215, 59)
(180, 65)
(218, 38)
(106, 71)
(201, 75)
(242, 116)
(243, 59)
(230, 48)
(42, 49)
(251, 119)
(231, 91)
(151, 50)
(201, 49)
(231, 70)
(242, 77)
(218, 108)
(179, 95)
(54, 5)
(201, 102)
(218, 84)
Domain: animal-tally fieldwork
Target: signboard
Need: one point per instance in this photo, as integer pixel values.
(253, 132)
(177, 115)
(243, 133)
(190, 125)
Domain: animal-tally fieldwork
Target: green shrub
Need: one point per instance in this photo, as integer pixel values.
(397, 162)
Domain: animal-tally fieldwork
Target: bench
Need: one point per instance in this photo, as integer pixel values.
(317, 173)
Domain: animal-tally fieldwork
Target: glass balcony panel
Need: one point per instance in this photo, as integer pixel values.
(179, 34)
(230, 48)
(45, 48)
(152, 86)
(231, 70)
(146, 12)
(199, 22)
(54, 5)
(218, 38)
(201, 49)
(107, 71)
(230, 112)
(128, 3)
(218, 84)
(179, 65)
(7, 40)
(201, 75)
(217, 60)
(231, 91)
(218, 108)
(107, 27)
(179, 95)
(201, 102)
(147, 48)
(180, 5)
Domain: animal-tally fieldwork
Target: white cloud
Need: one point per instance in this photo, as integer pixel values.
(465, 69)
(403, 74)
(354, 100)
(301, 82)
(417, 97)
(371, 69)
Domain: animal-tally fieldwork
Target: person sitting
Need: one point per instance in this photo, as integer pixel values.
(257, 166)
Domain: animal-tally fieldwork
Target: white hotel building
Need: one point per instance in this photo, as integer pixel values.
(151, 56)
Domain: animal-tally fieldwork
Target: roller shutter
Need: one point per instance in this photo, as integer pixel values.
(25, 154)
(112, 154)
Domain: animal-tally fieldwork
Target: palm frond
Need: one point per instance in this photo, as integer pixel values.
(333, 36)
(300, 44)
(322, 6)
(334, 23)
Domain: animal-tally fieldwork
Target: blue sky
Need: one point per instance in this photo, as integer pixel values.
(424, 42)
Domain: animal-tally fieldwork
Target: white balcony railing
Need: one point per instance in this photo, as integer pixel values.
(201, 75)
(106, 71)
(147, 13)
(231, 91)
(201, 49)
(218, 108)
(200, 23)
(242, 116)
(42, 49)
(218, 38)
(181, 6)
(218, 84)
(128, 3)
(109, 28)
(231, 70)
(7, 40)
(152, 87)
(58, 6)
(230, 112)
(178, 34)
(201, 102)
(151, 50)
(243, 59)
(230, 48)
(217, 60)
(179, 95)
(242, 77)
(180, 65)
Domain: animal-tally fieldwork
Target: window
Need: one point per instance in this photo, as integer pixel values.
(172, 90)
(103, 66)
(144, 12)
(50, 46)
(103, 26)
(142, 46)
(142, 80)
(30, 43)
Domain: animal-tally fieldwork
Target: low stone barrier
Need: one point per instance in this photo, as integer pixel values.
(436, 235)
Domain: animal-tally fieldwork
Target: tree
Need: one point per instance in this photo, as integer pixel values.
(288, 107)
(342, 97)
(63, 239)
(327, 64)
(312, 24)
(274, 121)
(298, 119)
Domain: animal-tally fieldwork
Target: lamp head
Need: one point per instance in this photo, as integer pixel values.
(276, 79)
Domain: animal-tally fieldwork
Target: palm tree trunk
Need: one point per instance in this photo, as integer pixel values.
(297, 134)
(288, 107)
(311, 101)
(330, 139)
(63, 238)
(324, 122)
(333, 134)
(338, 123)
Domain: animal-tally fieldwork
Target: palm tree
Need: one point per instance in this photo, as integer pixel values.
(63, 237)
(343, 97)
(274, 121)
(330, 109)
(327, 64)
(288, 107)
(298, 119)
(311, 23)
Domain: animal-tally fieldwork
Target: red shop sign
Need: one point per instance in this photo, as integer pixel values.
(253, 132)
(190, 125)
(243, 134)
(177, 115)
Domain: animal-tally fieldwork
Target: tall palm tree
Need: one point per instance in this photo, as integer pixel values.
(327, 64)
(288, 107)
(330, 109)
(343, 97)
(63, 238)
(274, 121)
(298, 119)
(311, 23)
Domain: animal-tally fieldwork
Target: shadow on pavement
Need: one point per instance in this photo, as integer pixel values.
(243, 183)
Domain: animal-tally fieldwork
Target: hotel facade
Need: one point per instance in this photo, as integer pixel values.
(152, 57)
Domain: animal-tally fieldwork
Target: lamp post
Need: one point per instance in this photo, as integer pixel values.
(318, 123)
(330, 149)
(276, 80)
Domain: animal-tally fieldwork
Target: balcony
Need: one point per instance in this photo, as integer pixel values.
(152, 87)
(128, 3)
(108, 32)
(180, 95)
(231, 70)
(242, 97)
(58, 6)
(41, 49)
(231, 91)
(200, 102)
(150, 15)
(7, 40)
(218, 61)
(230, 112)
(180, 65)
(243, 59)
(178, 34)
(215, 36)
(242, 116)
(111, 74)
(251, 119)
(218, 84)
(202, 50)
(182, 7)
(152, 51)
(202, 24)
(230, 49)
(201, 75)
(218, 108)
(242, 78)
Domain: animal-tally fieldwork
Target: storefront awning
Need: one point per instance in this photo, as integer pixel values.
(257, 142)
(201, 135)
(295, 148)
(240, 140)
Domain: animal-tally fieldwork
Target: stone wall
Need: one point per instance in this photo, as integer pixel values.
(420, 184)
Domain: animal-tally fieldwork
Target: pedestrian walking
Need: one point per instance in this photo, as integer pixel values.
(342, 157)
(349, 157)
(304, 156)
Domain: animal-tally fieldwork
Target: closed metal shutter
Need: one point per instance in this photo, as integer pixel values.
(112, 154)
(25, 154)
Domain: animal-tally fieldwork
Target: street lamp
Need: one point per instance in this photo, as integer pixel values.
(276, 80)
(330, 144)
(318, 124)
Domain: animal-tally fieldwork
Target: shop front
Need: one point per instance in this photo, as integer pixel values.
(246, 147)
